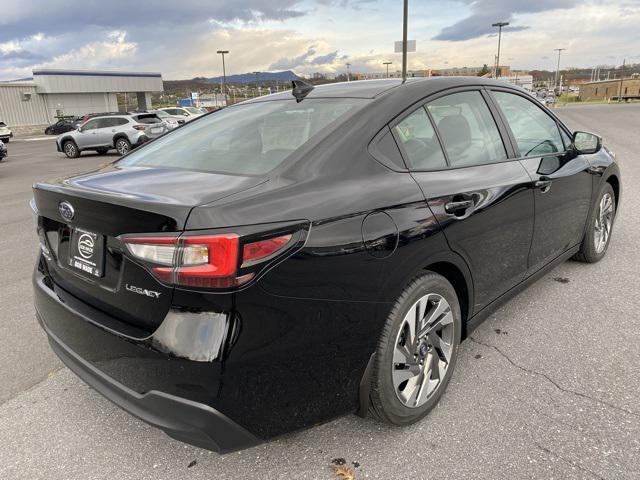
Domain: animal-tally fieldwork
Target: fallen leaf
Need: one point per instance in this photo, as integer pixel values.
(344, 473)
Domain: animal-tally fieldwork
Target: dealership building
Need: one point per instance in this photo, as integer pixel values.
(31, 103)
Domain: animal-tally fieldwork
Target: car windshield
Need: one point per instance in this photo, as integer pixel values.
(247, 139)
(193, 110)
(161, 113)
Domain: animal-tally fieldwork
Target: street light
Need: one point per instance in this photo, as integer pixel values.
(387, 64)
(224, 71)
(348, 77)
(559, 50)
(499, 25)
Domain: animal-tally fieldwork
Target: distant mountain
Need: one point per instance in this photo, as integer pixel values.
(279, 77)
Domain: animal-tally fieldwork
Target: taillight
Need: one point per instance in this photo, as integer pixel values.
(205, 261)
(139, 127)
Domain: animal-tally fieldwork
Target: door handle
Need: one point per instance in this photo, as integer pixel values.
(543, 183)
(459, 206)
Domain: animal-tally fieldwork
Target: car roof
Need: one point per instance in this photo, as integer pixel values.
(376, 88)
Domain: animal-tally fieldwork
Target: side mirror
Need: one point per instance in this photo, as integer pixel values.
(586, 143)
(79, 129)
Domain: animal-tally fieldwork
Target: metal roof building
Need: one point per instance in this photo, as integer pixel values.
(51, 93)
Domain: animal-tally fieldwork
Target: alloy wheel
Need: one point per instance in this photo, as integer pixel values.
(122, 147)
(604, 222)
(423, 350)
(70, 149)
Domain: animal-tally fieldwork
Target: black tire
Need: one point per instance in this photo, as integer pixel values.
(589, 250)
(70, 149)
(102, 151)
(123, 146)
(7, 140)
(385, 404)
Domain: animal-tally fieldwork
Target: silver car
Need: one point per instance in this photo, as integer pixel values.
(171, 120)
(188, 113)
(105, 132)
(5, 132)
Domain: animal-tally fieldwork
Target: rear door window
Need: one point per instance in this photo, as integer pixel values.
(419, 141)
(247, 139)
(467, 129)
(147, 118)
(536, 132)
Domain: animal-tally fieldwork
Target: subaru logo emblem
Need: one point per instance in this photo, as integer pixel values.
(66, 211)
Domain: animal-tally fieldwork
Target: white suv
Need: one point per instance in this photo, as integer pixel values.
(105, 132)
(188, 113)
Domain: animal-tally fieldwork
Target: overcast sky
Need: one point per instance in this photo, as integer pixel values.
(180, 38)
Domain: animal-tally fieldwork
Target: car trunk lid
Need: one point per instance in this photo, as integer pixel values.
(81, 219)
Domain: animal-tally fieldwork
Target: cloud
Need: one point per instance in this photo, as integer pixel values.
(28, 17)
(290, 63)
(484, 13)
(307, 59)
(325, 59)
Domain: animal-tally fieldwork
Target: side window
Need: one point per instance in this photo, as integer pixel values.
(91, 124)
(467, 129)
(419, 141)
(386, 151)
(105, 122)
(536, 133)
(120, 121)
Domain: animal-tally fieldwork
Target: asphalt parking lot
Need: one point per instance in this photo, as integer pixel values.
(548, 387)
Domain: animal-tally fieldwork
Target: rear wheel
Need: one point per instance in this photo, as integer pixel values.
(417, 351)
(123, 146)
(71, 150)
(598, 234)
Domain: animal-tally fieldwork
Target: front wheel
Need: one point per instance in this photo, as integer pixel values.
(417, 351)
(71, 150)
(123, 146)
(600, 226)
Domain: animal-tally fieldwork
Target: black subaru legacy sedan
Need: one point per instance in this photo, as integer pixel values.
(311, 253)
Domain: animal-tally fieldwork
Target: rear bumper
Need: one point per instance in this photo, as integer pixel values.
(181, 418)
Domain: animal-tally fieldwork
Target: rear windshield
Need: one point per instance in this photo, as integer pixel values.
(248, 139)
(147, 118)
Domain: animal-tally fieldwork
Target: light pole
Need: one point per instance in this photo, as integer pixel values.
(624, 61)
(348, 77)
(405, 25)
(257, 84)
(559, 50)
(387, 64)
(224, 71)
(499, 25)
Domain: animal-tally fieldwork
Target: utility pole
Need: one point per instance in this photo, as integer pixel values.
(405, 22)
(257, 84)
(348, 76)
(499, 25)
(224, 72)
(621, 77)
(387, 64)
(559, 50)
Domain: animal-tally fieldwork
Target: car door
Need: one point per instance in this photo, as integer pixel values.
(105, 131)
(86, 138)
(482, 199)
(562, 180)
